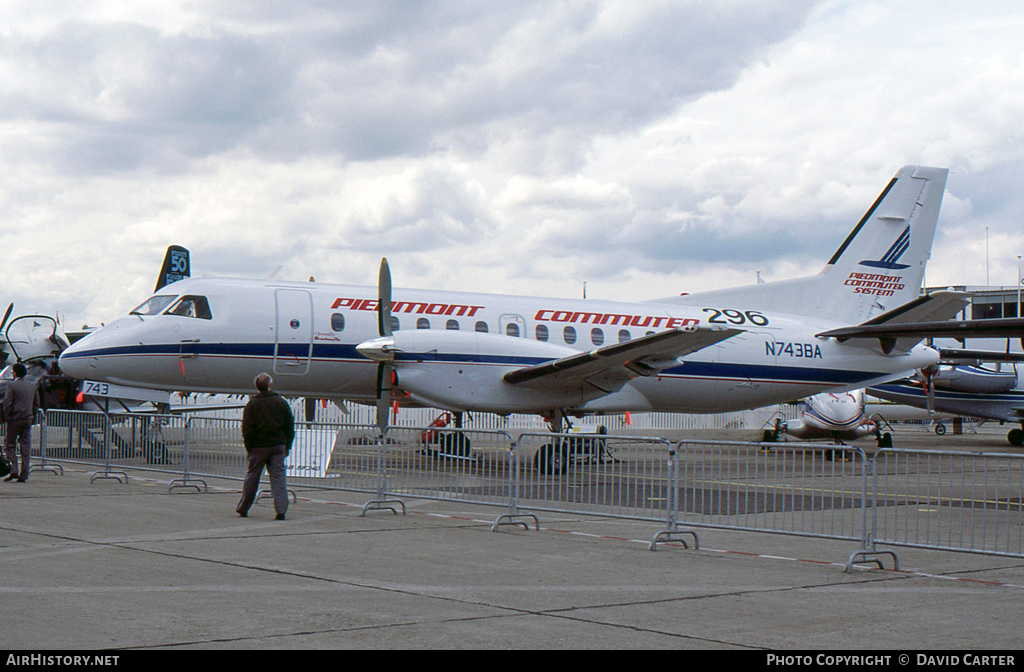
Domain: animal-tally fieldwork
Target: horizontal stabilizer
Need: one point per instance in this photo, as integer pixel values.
(904, 326)
(624, 361)
(1010, 327)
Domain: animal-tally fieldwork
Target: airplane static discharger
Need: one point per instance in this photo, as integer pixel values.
(709, 352)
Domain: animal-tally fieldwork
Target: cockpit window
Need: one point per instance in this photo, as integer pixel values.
(154, 305)
(191, 306)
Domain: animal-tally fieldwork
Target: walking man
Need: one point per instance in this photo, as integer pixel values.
(21, 402)
(268, 429)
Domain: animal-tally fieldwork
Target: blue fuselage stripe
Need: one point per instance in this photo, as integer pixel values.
(348, 352)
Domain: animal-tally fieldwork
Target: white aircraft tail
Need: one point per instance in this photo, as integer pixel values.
(878, 267)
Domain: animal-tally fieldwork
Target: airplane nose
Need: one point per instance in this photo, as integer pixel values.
(73, 363)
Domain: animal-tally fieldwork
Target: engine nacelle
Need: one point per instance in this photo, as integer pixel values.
(463, 370)
(974, 379)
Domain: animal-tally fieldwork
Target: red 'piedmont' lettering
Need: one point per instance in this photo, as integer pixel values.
(417, 307)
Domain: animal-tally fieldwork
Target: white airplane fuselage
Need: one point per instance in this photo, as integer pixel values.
(305, 335)
(832, 416)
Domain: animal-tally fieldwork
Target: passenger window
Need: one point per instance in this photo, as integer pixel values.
(624, 335)
(191, 306)
(542, 332)
(481, 327)
(569, 335)
(423, 323)
(452, 325)
(395, 324)
(512, 329)
(596, 336)
(337, 322)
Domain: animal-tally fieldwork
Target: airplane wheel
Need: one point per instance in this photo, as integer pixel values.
(768, 436)
(940, 429)
(551, 460)
(885, 441)
(456, 444)
(1016, 437)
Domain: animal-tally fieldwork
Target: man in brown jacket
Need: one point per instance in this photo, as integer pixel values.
(268, 429)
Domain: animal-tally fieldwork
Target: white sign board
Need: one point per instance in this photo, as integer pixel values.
(311, 453)
(93, 388)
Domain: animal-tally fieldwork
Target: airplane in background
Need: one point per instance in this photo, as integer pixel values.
(839, 416)
(709, 352)
(962, 385)
(38, 340)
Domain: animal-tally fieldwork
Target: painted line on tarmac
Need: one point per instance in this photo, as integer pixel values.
(907, 573)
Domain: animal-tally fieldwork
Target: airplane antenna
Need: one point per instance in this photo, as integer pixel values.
(986, 256)
(585, 287)
(1018, 287)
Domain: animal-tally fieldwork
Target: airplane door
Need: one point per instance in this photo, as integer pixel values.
(512, 325)
(294, 333)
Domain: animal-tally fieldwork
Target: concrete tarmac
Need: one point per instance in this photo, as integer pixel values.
(128, 566)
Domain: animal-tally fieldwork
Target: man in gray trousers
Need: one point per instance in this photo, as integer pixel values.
(268, 429)
(21, 402)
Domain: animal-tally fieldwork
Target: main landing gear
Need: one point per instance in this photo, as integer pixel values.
(555, 457)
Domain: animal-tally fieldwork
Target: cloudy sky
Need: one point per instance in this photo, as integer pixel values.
(645, 148)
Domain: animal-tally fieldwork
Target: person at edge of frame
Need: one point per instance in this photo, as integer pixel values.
(21, 403)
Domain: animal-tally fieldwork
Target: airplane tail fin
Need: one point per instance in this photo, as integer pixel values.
(176, 267)
(878, 267)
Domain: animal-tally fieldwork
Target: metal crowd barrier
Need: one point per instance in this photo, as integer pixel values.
(928, 499)
(944, 500)
(805, 489)
(616, 476)
(430, 463)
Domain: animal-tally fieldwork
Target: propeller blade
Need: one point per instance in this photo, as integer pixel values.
(384, 299)
(383, 397)
(929, 378)
(6, 315)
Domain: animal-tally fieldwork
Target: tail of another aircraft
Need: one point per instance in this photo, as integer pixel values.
(878, 267)
(175, 267)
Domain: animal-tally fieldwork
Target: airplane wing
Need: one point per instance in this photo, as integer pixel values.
(610, 367)
(969, 356)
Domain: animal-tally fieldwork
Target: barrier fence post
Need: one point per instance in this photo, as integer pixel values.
(184, 481)
(672, 531)
(107, 473)
(868, 552)
(381, 501)
(513, 515)
(43, 465)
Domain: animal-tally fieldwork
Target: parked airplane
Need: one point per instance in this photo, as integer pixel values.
(840, 416)
(38, 340)
(717, 351)
(965, 390)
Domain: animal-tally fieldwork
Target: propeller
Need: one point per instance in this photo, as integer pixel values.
(928, 383)
(928, 373)
(384, 378)
(6, 315)
(3, 341)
